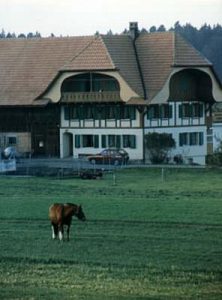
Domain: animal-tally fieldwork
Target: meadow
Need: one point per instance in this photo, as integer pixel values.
(147, 236)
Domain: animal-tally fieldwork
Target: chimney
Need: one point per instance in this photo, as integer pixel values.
(133, 30)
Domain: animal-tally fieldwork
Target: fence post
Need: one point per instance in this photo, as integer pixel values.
(162, 174)
(114, 179)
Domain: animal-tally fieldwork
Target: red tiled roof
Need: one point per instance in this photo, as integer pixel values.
(159, 52)
(28, 66)
(186, 55)
(94, 56)
(122, 52)
(155, 53)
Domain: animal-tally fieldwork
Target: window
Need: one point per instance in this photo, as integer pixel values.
(194, 110)
(66, 113)
(166, 111)
(197, 110)
(183, 139)
(153, 112)
(110, 112)
(191, 139)
(86, 141)
(114, 141)
(12, 140)
(163, 111)
(129, 141)
(88, 112)
(184, 110)
(90, 82)
(76, 113)
(128, 112)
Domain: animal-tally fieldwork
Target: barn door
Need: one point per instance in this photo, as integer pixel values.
(39, 144)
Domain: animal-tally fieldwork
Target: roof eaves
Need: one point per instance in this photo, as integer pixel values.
(192, 65)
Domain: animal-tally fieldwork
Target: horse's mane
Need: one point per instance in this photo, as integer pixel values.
(70, 204)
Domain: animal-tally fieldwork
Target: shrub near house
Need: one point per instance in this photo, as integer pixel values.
(159, 145)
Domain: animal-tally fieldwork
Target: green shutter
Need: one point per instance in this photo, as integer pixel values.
(200, 110)
(118, 114)
(133, 141)
(180, 111)
(96, 141)
(201, 141)
(133, 113)
(124, 141)
(149, 113)
(95, 113)
(103, 141)
(170, 111)
(118, 141)
(77, 141)
(66, 112)
(191, 111)
(81, 112)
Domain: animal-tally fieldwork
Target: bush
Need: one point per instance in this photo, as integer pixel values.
(214, 159)
(158, 146)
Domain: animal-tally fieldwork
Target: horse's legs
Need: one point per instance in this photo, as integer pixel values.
(60, 228)
(54, 231)
(68, 228)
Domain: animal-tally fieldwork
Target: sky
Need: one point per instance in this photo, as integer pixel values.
(85, 17)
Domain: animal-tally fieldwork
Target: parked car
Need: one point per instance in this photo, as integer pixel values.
(110, 156)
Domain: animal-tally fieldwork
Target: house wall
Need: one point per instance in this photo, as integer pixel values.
(92, 123)
(21, 141)
(119, 128)
(195, 153)
(176, 126)
(217, 135)
(134, 154)
(194, 128)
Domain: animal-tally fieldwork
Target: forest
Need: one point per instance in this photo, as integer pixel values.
(207, 39)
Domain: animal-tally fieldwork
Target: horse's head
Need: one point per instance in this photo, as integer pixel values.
(80, 214)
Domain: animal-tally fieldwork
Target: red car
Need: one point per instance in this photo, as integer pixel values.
(110, 156)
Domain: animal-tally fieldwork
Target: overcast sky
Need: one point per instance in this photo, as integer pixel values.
(85, 17)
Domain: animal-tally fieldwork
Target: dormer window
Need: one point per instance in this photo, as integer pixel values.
(90, 82)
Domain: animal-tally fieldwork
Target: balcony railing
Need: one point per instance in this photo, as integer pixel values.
(217, 117)
(70, 97)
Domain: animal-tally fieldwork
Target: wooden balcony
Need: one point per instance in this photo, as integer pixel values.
(84, 97)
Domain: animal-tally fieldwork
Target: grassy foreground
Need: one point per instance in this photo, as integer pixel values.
(146, 237)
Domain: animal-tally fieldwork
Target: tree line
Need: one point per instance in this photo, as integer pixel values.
(207, 39)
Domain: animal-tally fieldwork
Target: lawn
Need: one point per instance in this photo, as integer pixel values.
(148, 235)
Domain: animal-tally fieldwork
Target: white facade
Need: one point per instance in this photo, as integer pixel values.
(103, 130)
(85, 130)
(217, 135)
(189, 153)
(189, 132)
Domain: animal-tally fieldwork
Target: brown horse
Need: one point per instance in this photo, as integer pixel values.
(61, 214)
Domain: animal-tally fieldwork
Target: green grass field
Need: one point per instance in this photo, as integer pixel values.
(144, 238)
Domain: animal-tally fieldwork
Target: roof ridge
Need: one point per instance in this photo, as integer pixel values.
(83, 49)
(104, 44)
(174, 46)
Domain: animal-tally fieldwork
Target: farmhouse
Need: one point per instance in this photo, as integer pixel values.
(74, 96)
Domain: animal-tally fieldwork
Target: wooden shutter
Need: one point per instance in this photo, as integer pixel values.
(77, 141)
